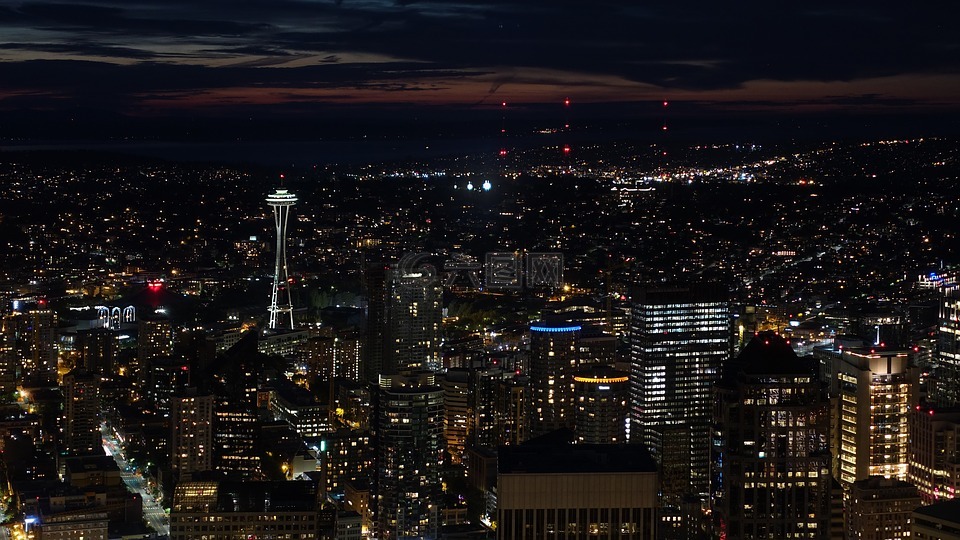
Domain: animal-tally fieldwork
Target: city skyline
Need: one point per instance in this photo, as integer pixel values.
(482, 269)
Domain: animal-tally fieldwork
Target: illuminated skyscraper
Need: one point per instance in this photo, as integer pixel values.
(773, 463)
(408, 491)
(948, 363)
(408, 319)
(154, 338)
(554, 357)
(602, 396)
(32, 338)
(878, 387)
(935, 453)
(191, 443)
(81, 404)
(457, 411)
(679, 338)
(281, 304)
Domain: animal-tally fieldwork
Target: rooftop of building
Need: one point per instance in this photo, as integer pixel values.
(691, 293)
(554, 453)
(231, 496)
(555, 326)
(884, 487)
(600, 373)
(948, 510)
(84, 464)
(769, 353)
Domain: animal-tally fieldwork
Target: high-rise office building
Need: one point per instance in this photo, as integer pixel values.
(772, 474)
(511, 410)
(81, 404)
(457, 411)
(346, 456)
(347, 348)
(414, 309)
(235, 437)
(375, 289)
(43, 339)
(935, 452)
(281, 303)
(403, 319)
(31, 338)
(191, 441)
(98, 349)
(878, 387)
(679, 337)
(154, 338)
(601, 395)
(881, 509)
(596, 346)
(554, 357)
(947, 367)
(167, 376)
(407, 485)
(484, 387)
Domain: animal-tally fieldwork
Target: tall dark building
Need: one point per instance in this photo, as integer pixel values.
(81, 396)
(403, 319)
(166, 377)
(414, 309)
(457, 411)
(773, 455)
(154, 337)
(98, 349)
(191, 441)
(947, 392)
(602, 396)
(554, 356)
(483, 406)
(679, 337)
(409, 453)
(374, 287)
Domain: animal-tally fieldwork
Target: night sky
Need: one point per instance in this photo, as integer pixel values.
(233, 58)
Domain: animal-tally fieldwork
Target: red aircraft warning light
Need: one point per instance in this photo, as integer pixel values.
(566, 102)
(566, 149)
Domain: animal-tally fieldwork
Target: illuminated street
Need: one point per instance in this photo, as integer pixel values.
(153, 513)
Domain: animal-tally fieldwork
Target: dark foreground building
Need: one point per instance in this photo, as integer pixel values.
(773, 458)
(245, 510)
(550, 489)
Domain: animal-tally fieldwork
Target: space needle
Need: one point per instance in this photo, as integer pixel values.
(281, 305)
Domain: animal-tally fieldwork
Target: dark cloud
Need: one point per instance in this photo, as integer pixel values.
(403, 45)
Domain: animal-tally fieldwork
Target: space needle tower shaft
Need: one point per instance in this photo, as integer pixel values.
(281, 304)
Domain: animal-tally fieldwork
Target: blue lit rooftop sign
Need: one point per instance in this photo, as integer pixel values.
(555, 329)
